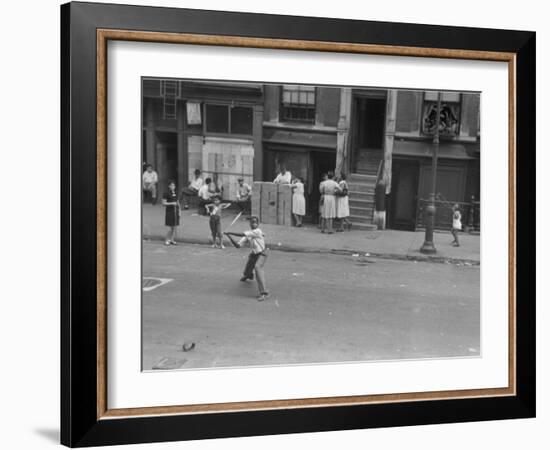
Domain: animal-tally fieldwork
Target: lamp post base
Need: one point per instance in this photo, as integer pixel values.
(428, 248)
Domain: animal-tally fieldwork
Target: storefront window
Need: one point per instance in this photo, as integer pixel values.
(241, 120)
(217, 118)
(226, 119)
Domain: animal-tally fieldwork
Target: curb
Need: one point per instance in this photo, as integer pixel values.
(344, 252)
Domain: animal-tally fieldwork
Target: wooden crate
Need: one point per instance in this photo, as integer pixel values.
(269, 203)
(284, 205)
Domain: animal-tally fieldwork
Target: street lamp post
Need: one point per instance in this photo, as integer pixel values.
(428, 245)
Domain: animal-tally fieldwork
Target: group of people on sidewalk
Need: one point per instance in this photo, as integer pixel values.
(334, 203)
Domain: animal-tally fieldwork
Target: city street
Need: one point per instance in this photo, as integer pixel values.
(322, 308)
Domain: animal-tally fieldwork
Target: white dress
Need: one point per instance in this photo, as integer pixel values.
(342, 202)
(298, 199)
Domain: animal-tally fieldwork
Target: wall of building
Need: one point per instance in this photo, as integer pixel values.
(176, 148)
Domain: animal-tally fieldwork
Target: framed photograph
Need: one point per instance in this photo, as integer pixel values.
(278, 224)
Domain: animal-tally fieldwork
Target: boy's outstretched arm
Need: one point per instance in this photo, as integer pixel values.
(233, 241)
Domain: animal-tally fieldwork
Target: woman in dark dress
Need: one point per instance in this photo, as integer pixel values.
(172, 216)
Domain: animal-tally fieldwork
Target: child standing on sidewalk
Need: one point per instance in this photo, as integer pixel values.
(457, 225)
(215, 212)
(172, 215)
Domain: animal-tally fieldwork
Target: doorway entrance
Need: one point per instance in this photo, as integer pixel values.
(404, 195)
(369, 129)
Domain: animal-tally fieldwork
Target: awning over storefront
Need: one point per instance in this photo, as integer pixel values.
(296, 138)
(448, 150)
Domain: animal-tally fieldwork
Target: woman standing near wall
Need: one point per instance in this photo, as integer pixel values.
(329, 188)
(342, 204)
(298, 201)
(321, 198)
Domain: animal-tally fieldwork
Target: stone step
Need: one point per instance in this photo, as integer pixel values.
(361, 219)
(363, 226)
(360, 187)
(360, 212)
(361, 202)
(361, 197)
(370, 172)
(359, 177)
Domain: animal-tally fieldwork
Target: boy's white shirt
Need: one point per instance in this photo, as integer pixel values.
(256, 240)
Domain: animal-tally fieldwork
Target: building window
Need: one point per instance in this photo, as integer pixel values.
(226, 119)
(298, 103)
(449, 118)
(241, 120)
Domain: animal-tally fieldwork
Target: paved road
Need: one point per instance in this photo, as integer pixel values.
(323, 308)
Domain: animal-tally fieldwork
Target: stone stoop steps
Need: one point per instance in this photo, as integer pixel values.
(361, 200)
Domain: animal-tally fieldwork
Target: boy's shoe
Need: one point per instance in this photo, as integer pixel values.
(263, 296)
(167, 243)
(222, 246)
(173, 243)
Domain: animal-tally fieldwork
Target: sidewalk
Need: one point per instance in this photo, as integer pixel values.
(390, 244)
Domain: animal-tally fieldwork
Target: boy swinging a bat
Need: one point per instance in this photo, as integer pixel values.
(257, 256)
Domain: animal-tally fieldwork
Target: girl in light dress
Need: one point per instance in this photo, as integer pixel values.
(298, 201)
(342, 204)
(457, 225)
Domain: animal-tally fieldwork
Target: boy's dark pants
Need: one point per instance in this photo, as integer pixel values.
(250, 264)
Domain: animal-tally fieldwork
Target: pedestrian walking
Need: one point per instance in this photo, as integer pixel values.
(172, 213)
(329, 189)
(457, 225)
(257, 257)
(298, 201)
(215, 211)
(342, 204)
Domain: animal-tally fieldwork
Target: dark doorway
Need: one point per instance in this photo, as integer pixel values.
(167, 159)
(404, 195)
(369, 126)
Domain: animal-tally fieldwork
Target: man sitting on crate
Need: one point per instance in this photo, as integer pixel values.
(244, 194)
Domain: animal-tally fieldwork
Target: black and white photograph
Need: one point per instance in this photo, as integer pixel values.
(307, 224)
